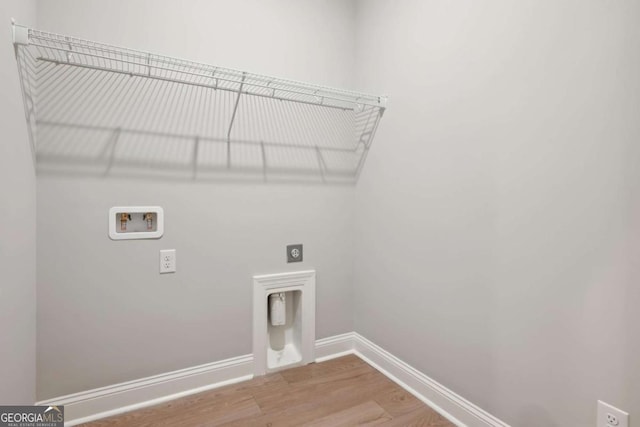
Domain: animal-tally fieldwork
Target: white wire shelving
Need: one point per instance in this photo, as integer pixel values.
(104, 108)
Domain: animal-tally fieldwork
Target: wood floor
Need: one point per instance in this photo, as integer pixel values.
(340, 392)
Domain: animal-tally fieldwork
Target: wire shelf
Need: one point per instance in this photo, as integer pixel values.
(104, 107)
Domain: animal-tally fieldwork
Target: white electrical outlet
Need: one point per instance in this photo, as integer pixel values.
(609, 416)
(167, 261)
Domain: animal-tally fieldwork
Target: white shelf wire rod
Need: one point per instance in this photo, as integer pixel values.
(209, 86)
(145, 58)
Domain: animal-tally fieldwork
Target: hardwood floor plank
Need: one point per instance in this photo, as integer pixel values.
(423, 417)
(339, 392)
(306, 405)
(339, 387)
(399, 401)
(210, 409)
(324, 371)
(368, 413)
(260, 387)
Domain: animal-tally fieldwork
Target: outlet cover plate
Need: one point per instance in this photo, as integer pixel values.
(605, 409)
(294, 253)
(167, 261)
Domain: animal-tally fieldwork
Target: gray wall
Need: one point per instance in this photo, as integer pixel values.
(497, 233)
(496, 226)
(105, 315)
(18, 225)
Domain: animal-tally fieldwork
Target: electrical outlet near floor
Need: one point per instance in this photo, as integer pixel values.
(294, 253)
(167, 261)
(609, 416)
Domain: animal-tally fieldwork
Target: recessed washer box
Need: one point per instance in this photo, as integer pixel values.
(136, 222)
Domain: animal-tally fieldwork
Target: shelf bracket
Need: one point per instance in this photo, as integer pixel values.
(196, 146)
(264, 161)
(366, 145)
(20, 34)
(321, 164)
(233, 118)
(112, 150)
(368, 133)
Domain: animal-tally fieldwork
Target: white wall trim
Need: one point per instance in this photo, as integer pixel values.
(455, 408)
(333, 347)
(116, 399)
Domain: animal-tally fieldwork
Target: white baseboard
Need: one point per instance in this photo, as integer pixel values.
(455, 408)
(335, 346)
(116, 399)
(112, 400)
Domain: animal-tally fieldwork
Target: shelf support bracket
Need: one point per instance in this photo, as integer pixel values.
(112, 150)
(366, 145)
(20, 34)
(264, 161)
(233, 118)
(321, 164)
(196, 146)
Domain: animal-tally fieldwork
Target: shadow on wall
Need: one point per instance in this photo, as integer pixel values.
(92, 121)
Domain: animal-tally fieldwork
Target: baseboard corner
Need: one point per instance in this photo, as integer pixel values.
(452, 406)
